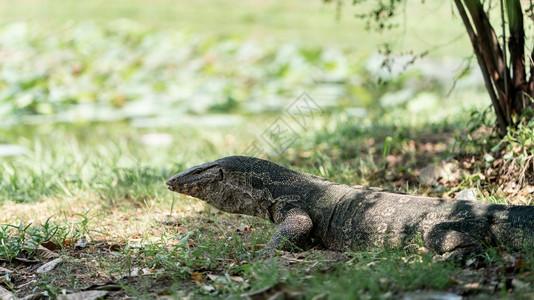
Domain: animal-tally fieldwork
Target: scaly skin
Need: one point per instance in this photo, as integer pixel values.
(341, 217)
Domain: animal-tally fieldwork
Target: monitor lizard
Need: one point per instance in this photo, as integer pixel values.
(340, 217)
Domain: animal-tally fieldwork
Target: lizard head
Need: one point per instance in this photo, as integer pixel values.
(245, 185)
(233, 184)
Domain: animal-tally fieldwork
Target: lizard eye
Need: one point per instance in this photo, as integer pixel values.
(221, 174)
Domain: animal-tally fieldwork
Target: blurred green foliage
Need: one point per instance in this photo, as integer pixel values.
(123, 70)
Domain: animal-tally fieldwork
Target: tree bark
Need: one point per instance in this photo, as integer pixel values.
(489, 56)
(516, 45)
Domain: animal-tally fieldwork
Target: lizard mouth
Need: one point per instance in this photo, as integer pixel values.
(169, 185)
(191, 181)
(174, 185)
(177, 184)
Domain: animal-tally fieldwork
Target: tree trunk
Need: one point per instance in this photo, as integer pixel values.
(510, 93)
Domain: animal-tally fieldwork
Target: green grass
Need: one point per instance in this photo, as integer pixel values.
(91, 160)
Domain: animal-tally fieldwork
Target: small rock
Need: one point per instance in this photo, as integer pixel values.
(469, 195)
(431, 173)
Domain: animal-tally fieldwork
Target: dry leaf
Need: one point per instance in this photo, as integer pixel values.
(213, 276)
(147, 271)
(27, 260)
(233, 278)
(259, 246)
(49, 266)
(36, 296)
(5, 271)
(51, 246)
(5, 294)
(45, 253)
(197, 276)
(88, 295)
(105, 286)
(237, 278)
(472, 286)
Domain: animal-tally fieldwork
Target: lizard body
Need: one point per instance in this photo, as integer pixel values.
(341, 217)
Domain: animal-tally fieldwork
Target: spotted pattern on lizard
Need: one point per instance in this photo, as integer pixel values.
(309, 208)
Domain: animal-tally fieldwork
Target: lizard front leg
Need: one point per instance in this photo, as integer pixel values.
(452, 244)
(293, 232)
